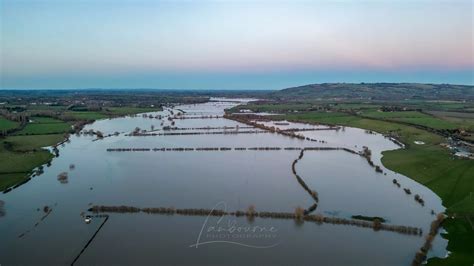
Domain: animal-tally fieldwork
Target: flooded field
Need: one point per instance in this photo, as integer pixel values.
(140, 163)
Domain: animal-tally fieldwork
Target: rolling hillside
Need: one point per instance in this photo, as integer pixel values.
(377, 91)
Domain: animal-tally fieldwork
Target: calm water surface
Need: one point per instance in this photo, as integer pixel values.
(346, 184)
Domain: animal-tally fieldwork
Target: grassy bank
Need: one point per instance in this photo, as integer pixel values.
(429, 164)
(16, 166)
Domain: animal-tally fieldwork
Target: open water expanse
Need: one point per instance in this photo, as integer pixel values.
(230, 179)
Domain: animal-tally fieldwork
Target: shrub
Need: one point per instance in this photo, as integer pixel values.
(377, 225)
(315, 195)
(299, 213)
(378, 169)
(63, 178)
(251, 210)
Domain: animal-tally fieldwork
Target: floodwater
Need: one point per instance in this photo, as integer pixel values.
(347, 185)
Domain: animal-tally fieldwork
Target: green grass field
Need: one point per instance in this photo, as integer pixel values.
(129, 110)
(9, 180)
(461, 236)
(24, 155)
(38, 129)
(414, 118)
(40, 107)
(24, 151)
(44, 125)
(436, 105)
(464, 120)
(21, 162)
(320, 117)
(355, 106)
(33, 142)
(409, 134)
(6, 124)
(451, 178)
(16, 166)
(86, 115)
(44, 120)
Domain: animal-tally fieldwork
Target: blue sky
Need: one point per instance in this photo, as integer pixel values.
(233, 44)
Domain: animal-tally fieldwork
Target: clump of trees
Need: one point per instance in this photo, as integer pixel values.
(299, 213)
(251, 210)
(251, 213)
(63, 178)
(378, 169)
(136, 131)
(367, 153)
(39, 170)
(419, 200)
(394, 181)
(377, 224)
(99, 134)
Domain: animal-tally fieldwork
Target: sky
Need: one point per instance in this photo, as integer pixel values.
(52, 44)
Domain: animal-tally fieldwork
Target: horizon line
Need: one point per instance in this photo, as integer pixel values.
(171, 89)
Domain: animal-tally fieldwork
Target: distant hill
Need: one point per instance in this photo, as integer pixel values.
(377, 91)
